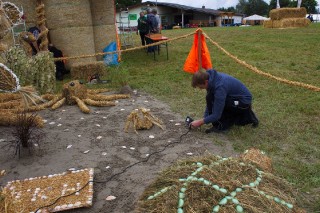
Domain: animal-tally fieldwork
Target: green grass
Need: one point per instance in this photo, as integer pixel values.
(289, 130)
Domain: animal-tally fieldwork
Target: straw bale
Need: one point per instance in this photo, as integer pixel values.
(86, 70)
(75, 41)
(103, 35)
(214, 184)
(290, 23)
(65, 14)
(102, 12)
(282, 13)
(268, 23)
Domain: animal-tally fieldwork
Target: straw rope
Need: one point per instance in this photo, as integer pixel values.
(43, 36)
(122, 51)
(256, 70)
(250, 67)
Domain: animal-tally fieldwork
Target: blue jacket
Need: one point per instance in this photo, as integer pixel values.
(224, 89)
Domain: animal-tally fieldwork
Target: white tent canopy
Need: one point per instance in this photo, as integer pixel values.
(255, 17)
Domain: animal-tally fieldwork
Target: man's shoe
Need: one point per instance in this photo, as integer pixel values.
(214, 129)
(255, 123)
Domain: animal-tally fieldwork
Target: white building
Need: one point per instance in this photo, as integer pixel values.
(175, 14)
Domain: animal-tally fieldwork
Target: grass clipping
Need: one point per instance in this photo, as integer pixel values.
(215, 184)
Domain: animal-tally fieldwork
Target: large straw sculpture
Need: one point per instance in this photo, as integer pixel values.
(74, 92)
(215, 184)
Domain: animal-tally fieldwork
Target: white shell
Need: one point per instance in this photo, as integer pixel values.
(122, 109)
(132, 148)
(98, 125)
(107, 167)
(189, 153)
(69, 146)
(87, 151)
(123, 147)
(151, 136)
(178, 124)
(79, 136)
(51, 123)
(45, 121)
(110, 197)
(82, 118)
(59, 125)
(99, 137)
(104, 153)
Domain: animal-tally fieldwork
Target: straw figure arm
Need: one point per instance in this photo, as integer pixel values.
(58, 103)
(43, 36)
(97, 97)
(98, 103)
(83, 107)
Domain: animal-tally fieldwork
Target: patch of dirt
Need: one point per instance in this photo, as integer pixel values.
(107, 155)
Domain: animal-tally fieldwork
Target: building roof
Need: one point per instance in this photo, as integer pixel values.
(255, 17)
(184, 7)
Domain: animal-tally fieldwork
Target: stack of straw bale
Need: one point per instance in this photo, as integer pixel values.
(70, 25)
(287, 17)
(86, 70)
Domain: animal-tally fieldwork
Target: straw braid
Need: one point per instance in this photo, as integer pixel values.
(250, 67)
(121, 51)
(43, 36)
(256, 70)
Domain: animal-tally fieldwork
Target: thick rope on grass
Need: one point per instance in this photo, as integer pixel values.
(256, 70)
(250, 67)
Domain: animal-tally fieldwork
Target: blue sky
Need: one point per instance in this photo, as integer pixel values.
(212, 4)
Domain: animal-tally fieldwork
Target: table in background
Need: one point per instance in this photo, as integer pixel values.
(156, 38)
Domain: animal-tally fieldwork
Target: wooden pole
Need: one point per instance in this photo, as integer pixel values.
(199, 49)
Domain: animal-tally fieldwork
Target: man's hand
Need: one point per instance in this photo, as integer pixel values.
(196, 123)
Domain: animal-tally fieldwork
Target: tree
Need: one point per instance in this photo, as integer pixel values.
(229, 9)
(126, 3)
(310, 5)
(282, 3)
(250, 7)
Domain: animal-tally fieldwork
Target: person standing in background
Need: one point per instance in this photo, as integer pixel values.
(155, 13)
(142, 28)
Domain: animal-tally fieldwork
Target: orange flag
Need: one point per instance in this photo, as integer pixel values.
(195, 60)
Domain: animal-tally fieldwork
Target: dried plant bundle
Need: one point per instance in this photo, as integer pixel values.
(142, 119)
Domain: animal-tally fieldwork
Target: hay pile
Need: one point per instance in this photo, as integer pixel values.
(215, 184)
(287, 17)
(87, 70)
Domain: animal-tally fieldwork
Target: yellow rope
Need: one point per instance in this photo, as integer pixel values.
(256, 70)
(250, 67)
(122, 51)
